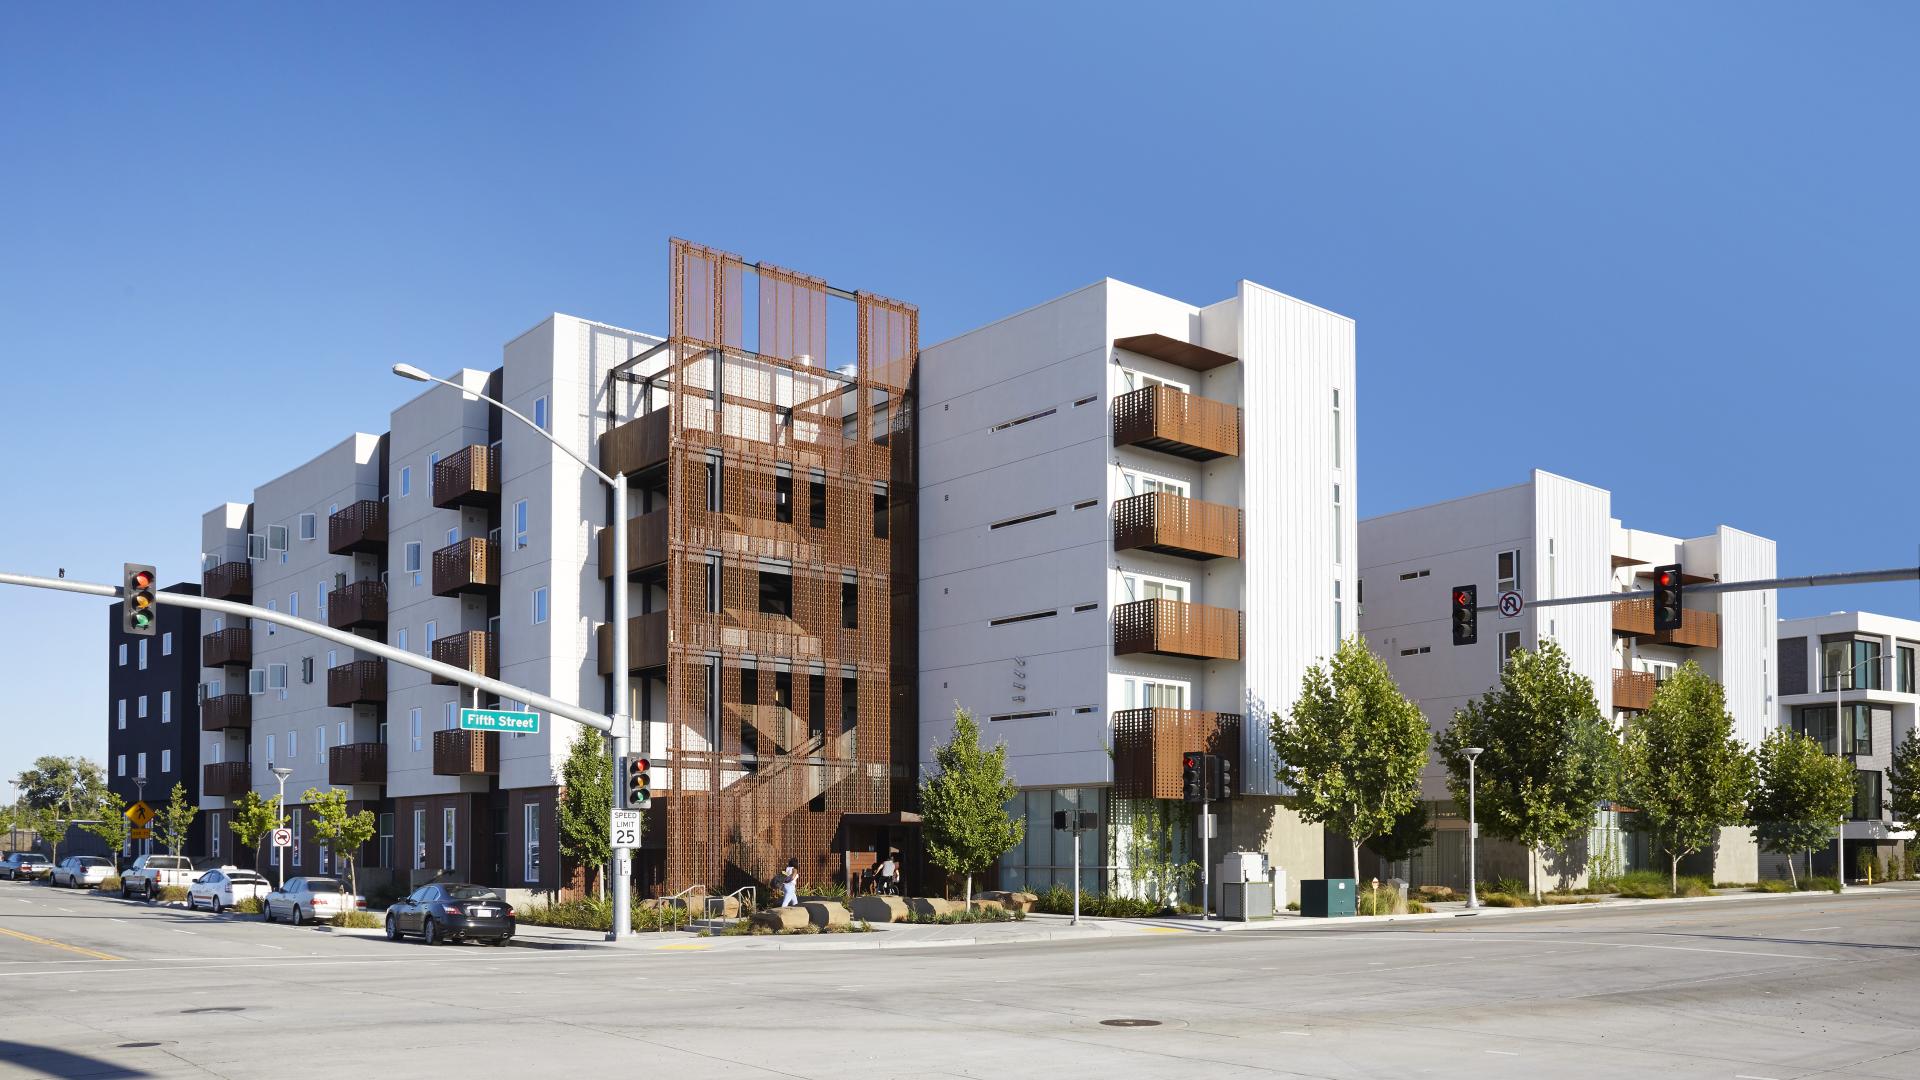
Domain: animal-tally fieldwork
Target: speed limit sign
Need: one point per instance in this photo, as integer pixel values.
(283, 838)
(626, 828)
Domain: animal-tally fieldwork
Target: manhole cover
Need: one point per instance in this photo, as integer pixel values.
(136, 1045)
(214, 1008)
(1129, 1023)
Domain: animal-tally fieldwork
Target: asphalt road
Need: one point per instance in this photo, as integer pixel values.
(1773, 989)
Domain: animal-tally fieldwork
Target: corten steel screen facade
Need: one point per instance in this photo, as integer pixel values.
(793, 481)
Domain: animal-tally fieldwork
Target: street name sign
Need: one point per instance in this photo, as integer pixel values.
(520, 723)
(626, 828)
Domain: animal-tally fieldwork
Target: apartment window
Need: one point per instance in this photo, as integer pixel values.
(166, 761)
(142, 650)
(257, 680)
(120, 765)
(276, 676)
(1509, 644)
(453, 536)
(272, 605)
(298, 829)
(450, 716)
(783, 495)
(419, 839)
(320, 744)
(140, 764)
(540, 418)
(306, 670)
(293, 744)
(211, 690)
(817, 501)
(1140, 587)
(276, 538)
(447, 834)
(540, 605)
(309, 526)
(1903, 669)
(849, 605)
(213, 751)
(123, 654)
(879, 512)
(406, 480)
(433, 460)
(715, 483)
(530, 827)
(166, 643)
(1135, 380)
(1339, 627)
(428, 635)
(1337, 531)
(1855, 730)
(1021, 520)
(320, 601)
(413, 729)
(776, 589)
(400, 638)
(1152, 694)
(121, 710)
(1853, 665)
(1336, 427)
(1507, 571)
(1139, 483)
(256, 547)
(213, 833)
(333, 659)
(166, 706)
(519, 524)
(340, 734)
(272, 756)
(714, 590)
(141, 704)
(410, 561)
(385, 850)
(1868, 788)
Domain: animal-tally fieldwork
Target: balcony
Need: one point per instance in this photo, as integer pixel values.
(233, 645)
(228, 581)
(637, 445)
(1177, 423)
(646, 643)
(1698, 629)
(357, 763)
(1176, 628)
(469, 476)
(1633, 690)
(646, 545)
(361, 527)
(1167, 523)
(466, 753)
(471, 565)
(226, 779)
(360, 605)
(473, 650)
(226, 711)
(1149, 743)
(357, 682)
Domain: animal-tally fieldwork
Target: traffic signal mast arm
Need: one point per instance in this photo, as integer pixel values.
(1805, 581)
(462, 676)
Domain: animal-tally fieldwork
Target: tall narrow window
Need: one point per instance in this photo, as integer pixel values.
(1337, 531)
(309, 526)
(540, 604)
(298, 829)
(143, 654)
(849, 605)
(714, 591)
(166, 643)
(450, 716)
(410, 560)
(448, 835)
(320, 601)
(1509, 644)
(541, 419)
(406, 480)
(120, 765)
(817, 501)
(293, 744)
(880, 512)
(1339, 625)
(413, 729)
(123, 654)
(213, 833)
(121, 711)
(519, 524)
(320, 744)
(715, 483)
(429, 634)
(142, 705)
(419, 837)
(1507, 571)
(272, 754)
(1336, 427)
(140, 765)
(433, 462)
(530, 826)
(166, 706)
(783, 496)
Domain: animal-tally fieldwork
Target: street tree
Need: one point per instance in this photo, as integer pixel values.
(1801, 793)
(1412, 831)
(1903, 780)
(66, 789)
(1352, 747)
(107, 819)
(344, 831)
(586, 801)
(1549, 756)
(1682, 768)
(175, 819)
(964, 803)
(254, 818)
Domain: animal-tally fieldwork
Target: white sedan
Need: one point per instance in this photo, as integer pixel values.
(310, 899)
(81, 872)
(220, 889)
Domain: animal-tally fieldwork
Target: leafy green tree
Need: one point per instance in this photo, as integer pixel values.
(66, 789)
(1903, 780)
(107, 819)
(1353, 747)
(344, 832)
(586, 802)
(963, 806)
(1800, 795)
(174, 820)
(1550, 757)
(253, 819)
(1412, 831)
(1682, 768)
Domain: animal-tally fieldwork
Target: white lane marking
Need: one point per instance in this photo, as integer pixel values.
(1299, 1034)
(179, 931)
(110, 919)
(1816, 929)
(1749, 1076)
(1680, 948)
(1502, 1053)
(266, 946)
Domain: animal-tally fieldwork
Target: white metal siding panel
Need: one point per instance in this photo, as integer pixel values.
(1748, 634)
(1577, 518)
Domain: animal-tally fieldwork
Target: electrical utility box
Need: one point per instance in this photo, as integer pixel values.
(1327, 898)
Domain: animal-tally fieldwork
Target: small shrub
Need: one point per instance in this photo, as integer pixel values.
(1501, 899)
(246, 905)
(1415, 907)
(111, 884)
(824, 890)
(1552, 899)
(356, 920)
(1293, 905)
(1820, 884)
(1059, 901)
(1436, 894)
(1643, 885)
(1383, 900)
(1775, 886)
(1508, 886)
(593, 913)
(173, 892)
(1695, 886)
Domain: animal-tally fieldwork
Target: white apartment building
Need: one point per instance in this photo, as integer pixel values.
(456, 536)
(1552, 537)
(1137, 530)
(1864, 663)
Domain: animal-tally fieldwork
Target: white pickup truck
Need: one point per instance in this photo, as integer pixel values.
(151, 873)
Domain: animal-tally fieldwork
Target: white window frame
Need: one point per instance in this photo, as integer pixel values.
(1506, 584)
(419, 836)
(1502, 650)
(166, 643)
(541, 607)
(406, 480)
(256, 681)
(413, 729)
(213, 833)
(400, 637)
(410, 557)
(1136, 482)
(122, 713)
(1134, 379)
(120, 765)
(530, 842)
(293, 744)
(433, 459)
(340, 737)
(256, 547)
(542, 415)
(449, 829)
(450, 716)
(320, 601)
(293, 603)
(140, 706)
(140, 652)
(519, 524)
(1141, 692)
(140, 763)
(1133, 586)
(276, 676)
(213, 751)
(123, 654)
(320, 743)
(277, 538)
(429, 634)
(166, 706)
(166, 761)
(309, 525)
(272, 749)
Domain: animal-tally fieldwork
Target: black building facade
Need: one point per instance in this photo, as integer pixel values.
(153, 711)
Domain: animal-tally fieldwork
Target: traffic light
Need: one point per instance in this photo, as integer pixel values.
(1666, 598)
(1223, 777)
(1466, 614)
(639, 783)
(1193, 777)
(139, 611)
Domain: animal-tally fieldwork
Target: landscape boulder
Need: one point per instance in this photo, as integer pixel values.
(780, 918)
(825, 913)
(880, 909)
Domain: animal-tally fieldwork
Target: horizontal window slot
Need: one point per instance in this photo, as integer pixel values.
(1411, 574)
(1085, 503)
(1027, 419)
(1021, 715)
(1086, 709)
(1022, 520)
(1085, 607)
(1029, 617)
(1088, 400)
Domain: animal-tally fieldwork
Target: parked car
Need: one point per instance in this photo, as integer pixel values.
(151, 873)
(452, 911)
(25, 866)
(80, 872)
(219, 889)
(306, 899)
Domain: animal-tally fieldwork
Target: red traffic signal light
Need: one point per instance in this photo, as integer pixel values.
(1667, 615)
(1466, 614)
(639, 783)
(137, 612)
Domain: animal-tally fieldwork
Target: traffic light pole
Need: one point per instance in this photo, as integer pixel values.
(1804, 581)
(1206, 826)
(620, 732)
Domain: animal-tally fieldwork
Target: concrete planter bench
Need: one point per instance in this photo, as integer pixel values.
(1012, 901)
(930, 906)
(825, 913)
(778, 919)
(880, 909)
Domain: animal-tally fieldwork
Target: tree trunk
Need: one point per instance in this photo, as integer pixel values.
(969, 892)
(1356, 864)
(1793, 875)
(1673, 874)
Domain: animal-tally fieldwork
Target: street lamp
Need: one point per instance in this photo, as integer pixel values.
(280, 773)
(620, 732)
(1473, 831)
(1839, 748)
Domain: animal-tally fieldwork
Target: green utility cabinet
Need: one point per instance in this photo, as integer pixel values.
(1327, 898)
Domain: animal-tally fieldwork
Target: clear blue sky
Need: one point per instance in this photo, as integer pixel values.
(1540, 215)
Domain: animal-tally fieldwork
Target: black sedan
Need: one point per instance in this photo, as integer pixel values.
(451, 911)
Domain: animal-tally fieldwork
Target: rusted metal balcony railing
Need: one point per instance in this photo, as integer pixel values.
(357, 763)
(356, 606)
(474, 650)
(224, 711)
(234, 645)
(1634, 690)
(637, 445)
(1149, 744)
(228, 581)
(646, 545)
(466, 753)
(1698, 629)
(1176, 628)
(470, 476)
(1178, 423)
(226, 779)
(360, 527)
(646, 643)
(357, 682)
(1172, 525)
(470, 565)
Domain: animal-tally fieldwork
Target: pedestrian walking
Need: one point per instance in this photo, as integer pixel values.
(890, 876)
(789, 883)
